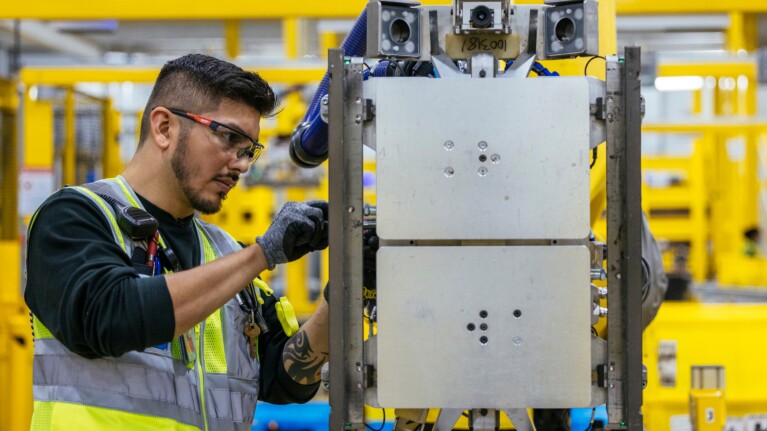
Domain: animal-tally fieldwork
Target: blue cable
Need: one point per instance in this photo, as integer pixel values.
(540, 70)
(537, 68)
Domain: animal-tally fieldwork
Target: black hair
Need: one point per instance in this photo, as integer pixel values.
(197, 83)
(752, 234)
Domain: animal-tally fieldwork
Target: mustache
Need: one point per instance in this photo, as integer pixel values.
(233, 176)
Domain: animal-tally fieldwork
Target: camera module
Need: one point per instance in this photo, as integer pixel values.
(481, 17)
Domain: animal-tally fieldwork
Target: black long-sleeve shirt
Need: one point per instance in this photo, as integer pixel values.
(85, 290)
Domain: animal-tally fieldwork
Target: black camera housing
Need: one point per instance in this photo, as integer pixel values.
(482, 17)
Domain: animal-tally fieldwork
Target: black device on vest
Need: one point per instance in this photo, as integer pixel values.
(134, 222)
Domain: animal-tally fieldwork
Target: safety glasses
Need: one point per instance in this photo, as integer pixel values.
(235, 141)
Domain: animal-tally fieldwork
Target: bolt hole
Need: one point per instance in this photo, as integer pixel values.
(471, 327)
(483, 340)
(517, 314)
(483, 326)
(482, 158)
(483, 314)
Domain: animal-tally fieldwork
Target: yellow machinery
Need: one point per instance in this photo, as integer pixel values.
(688, 334)
(712, 193)
(714, 198)
(707, 408)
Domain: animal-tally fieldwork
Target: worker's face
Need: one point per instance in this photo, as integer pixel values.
(203, 165)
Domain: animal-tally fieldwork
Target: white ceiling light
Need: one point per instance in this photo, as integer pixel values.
(679, 83)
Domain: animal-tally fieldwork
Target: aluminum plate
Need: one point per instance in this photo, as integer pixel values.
(482, 158)
(537, 302)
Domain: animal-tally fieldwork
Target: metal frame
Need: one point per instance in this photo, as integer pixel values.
(624, 356)
(624, 219)
(346, 212)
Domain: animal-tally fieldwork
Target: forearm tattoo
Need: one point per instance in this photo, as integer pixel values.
(302, 363)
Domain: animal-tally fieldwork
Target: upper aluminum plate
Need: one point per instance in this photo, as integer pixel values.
(481, 158)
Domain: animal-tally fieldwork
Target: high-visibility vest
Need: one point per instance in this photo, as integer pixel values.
(153, 389)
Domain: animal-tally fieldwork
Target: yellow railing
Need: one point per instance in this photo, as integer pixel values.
(15, 329)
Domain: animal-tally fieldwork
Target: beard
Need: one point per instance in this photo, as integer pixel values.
(180, 164)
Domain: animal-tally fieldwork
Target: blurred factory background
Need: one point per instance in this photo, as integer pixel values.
(75, 75)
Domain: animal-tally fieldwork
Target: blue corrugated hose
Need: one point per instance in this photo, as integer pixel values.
(315, 138)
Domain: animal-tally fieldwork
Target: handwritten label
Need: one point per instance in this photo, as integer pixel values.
(498, 45)
(474, 43)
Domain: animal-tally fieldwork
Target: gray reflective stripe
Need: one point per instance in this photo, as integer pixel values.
(111, 187)
(128, 380)
(160, 362)
(227, 425)
(116, 185)
(110, 400)
(228, 405)
(229, 398)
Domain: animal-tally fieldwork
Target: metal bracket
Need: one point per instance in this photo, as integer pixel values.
(345, 185)
(624, 221)
(521, 67)
(368, 109)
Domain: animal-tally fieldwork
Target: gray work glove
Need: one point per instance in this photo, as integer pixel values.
(299, 228)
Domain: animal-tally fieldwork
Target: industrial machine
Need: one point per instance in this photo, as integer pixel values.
(485, 260)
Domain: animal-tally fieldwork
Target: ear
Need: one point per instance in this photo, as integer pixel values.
(160, 127)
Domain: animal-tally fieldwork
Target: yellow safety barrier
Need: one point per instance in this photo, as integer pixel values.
(15, 344)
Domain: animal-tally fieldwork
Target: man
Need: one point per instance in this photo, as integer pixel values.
(751, 240)
(127, 337)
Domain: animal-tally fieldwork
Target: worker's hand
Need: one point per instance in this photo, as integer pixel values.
(299, 228)
(370, 245)
(369, 250)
